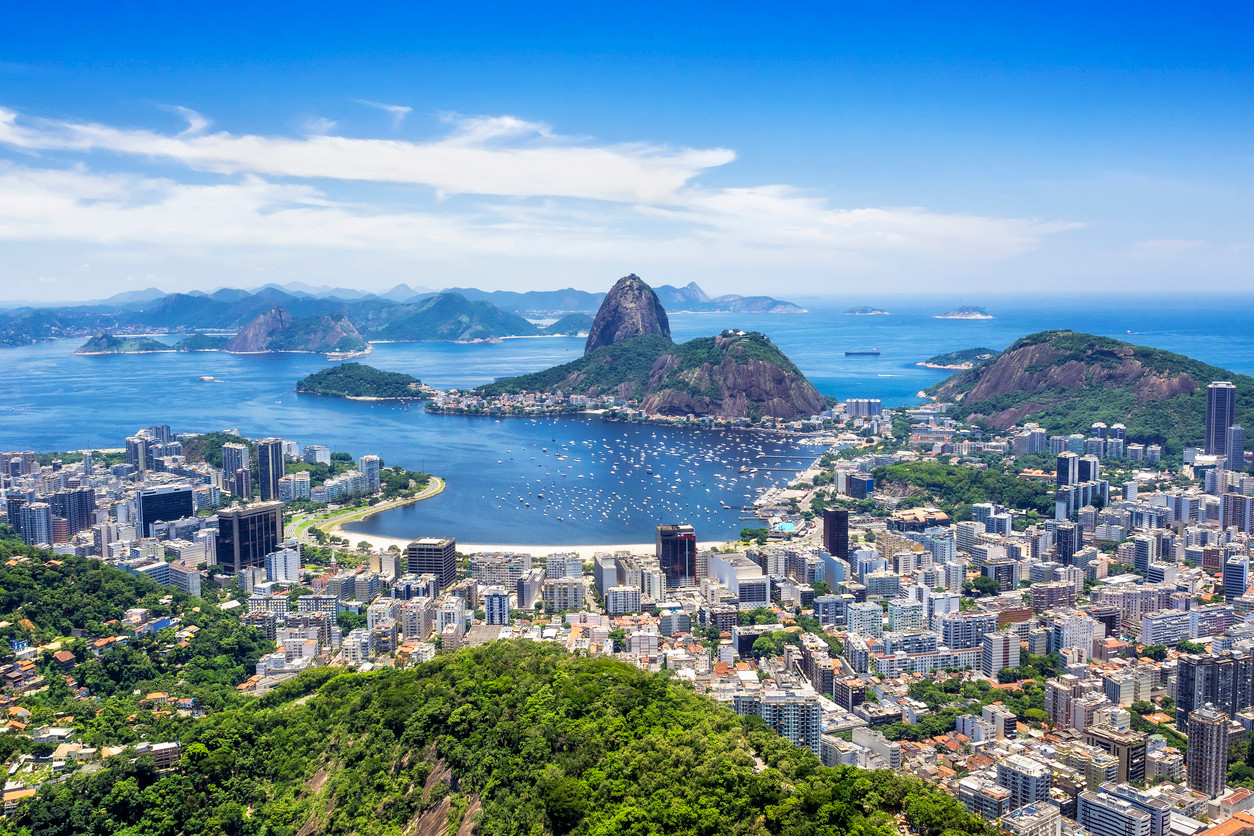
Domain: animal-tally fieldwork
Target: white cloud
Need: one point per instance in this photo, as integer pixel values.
(528, 192)
(397, 112)
(319, 125)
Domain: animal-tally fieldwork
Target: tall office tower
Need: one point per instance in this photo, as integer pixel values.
(1221, 409)
(1068, 541)
(1068, 469)
(242, 484)
(370, 466)
(86, 463)
(137, 454)
(1224, 679)
(246, 534)
(496, 605)
(161, 433)
(234, 458)
(1206, 761)
(1235, 447)
(168, 502)
(836, 532)
(1236, 576)
(269, 467)
(677, 555)
(1089, 469)
(36, 523)
(433, 555)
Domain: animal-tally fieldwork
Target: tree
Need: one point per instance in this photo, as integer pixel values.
(1157, 652)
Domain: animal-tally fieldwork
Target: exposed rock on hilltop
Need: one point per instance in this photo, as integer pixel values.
(630, 309)
(1066, 381)
(629, 354)
(276, 330)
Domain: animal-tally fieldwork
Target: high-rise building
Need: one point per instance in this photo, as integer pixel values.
(247, 533)
(269, 467)
(1221, 410)
(1089, 468)
(677, 555)
(35, 523)
(162, 504)
(235, 457)
(137, 453)
(371, 467)
(1000, 650)
(1224, 679)
(434, 555)
(1236, 576)
(1068, 465)
(242, 484)
(284, 564)
(496, 605)
(836, 532)
(75, 506)
(1027, 780)
(1126, 745)
(1206, 762)
(796, 716)
(1234, 447)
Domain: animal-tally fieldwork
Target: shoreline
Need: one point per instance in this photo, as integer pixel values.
(584, 550)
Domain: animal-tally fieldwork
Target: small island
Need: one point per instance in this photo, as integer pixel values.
(357, 381)
(966, 312)
(865, 311)
(106, 343)
(967, 358)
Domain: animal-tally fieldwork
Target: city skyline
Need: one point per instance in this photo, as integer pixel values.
(815, 150)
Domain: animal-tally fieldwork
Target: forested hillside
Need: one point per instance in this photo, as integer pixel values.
(507, 738)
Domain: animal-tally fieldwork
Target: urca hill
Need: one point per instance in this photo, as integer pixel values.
(630, 354)
(1065, 379)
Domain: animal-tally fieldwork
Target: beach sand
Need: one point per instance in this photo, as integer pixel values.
(585, 552)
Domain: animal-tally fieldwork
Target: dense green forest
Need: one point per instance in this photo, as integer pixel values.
(966, 355)
(955, 489)
(512, 737)
(356, 380)
(202, 342)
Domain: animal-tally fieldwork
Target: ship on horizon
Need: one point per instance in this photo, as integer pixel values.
(870, 352)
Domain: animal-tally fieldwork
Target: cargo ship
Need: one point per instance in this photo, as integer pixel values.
(871, 352)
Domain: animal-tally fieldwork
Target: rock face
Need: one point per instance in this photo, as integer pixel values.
(276, 330)
(746, 376)
(257, 334)
(630, 309)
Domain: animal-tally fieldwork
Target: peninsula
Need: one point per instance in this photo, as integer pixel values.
(632, 365)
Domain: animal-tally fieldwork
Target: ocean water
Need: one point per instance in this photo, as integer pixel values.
(501, 478)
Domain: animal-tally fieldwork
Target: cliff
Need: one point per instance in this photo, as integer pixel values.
(630, 309)
(1066, 381)
(276, 330)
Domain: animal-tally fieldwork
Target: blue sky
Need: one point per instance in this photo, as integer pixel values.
(822, 149)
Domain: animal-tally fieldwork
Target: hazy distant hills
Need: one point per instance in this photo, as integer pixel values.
(404, 313)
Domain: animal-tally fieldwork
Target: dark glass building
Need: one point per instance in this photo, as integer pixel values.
(269, 467)
(1221, 413)
(168, 502)
(836, 532)
(433, 555)
(677, 554)
(246, 534)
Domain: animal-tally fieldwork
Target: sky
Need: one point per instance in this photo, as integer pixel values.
(821, 149)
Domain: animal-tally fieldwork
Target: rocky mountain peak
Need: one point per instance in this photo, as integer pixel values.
(630, 309)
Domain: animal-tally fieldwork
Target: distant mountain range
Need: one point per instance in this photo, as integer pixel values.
(403, 313)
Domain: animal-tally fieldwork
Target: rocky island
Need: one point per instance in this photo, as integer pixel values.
(966, 312)
(865, 311)
(106, 343)
(357, 381)
(631, 363)
(959, 360)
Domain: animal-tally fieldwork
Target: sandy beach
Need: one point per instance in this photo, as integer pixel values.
(585, 552)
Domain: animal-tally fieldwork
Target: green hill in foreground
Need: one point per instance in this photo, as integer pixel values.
(1066, 381)
(356, 380)
(507, 738)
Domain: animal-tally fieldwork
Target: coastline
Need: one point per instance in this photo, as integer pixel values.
(956, 367)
